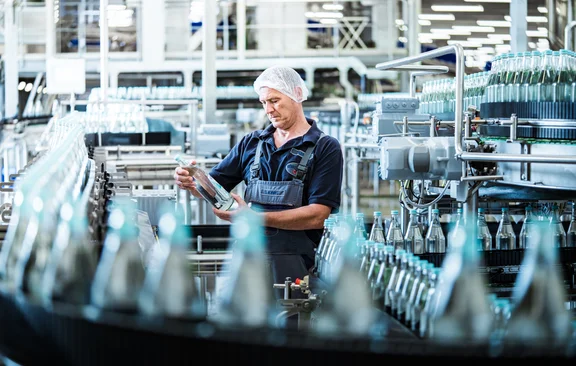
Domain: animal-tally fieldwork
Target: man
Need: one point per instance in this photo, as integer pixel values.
(292, 171)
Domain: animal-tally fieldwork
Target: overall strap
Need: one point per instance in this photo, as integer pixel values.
(255, 168)
(303, 165)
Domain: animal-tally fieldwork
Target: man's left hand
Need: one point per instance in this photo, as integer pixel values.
(228, 215)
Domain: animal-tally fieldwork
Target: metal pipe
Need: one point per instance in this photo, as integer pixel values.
(481, 178)
(459, 83)
(519, 158)
(568, 43)
(405, 125)
(513, 128)
(430, 70)
(104, 47)
(360, 145)
(432, 123)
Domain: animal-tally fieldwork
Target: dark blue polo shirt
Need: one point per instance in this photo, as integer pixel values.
(324, 177)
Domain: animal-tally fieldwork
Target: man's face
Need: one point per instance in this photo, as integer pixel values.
(280, 108)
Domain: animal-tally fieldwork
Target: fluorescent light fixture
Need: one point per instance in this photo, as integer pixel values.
(469, 52)
(328, 21)
(433, 36)
(537, 19)
(505, 37)
(424, 22)
(493, 23)
(536, 34)
(437, 17)
(452, 32)
(503, 48)
(22, 85)
(478, 64)
(465, 43)
(116, 7)
(488, 1)
(399, 22)
(28, 87)
(543, 10)
(486, 40)
(403, 39)
(508, 18)
(543, 30)
(336, 7)
(532, 45)
(475, 29)
(463, 8)
(425, 41)
(486, 50)
(323, 14)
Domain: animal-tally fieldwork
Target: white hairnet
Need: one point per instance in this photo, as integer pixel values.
(284, 79)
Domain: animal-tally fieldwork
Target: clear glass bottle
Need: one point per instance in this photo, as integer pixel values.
(405, 288)
(414, 240)
(527, 229)
(484, 236)
(384, 272)
(211, 190)
(120, 273)
(420, 280)
(395, 236)
(360, 227)
(460, 308)
(435, 239)
(348, 310)
(424, 309)
(247, 300)
(557, 229)
(169, 288)
(328, 224)
(539, 298)
(73, 259)
(456, 227)
(571, 234)
(377, 231)
(505, 236)
(399, 264)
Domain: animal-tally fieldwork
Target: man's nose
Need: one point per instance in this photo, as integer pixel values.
(268, 108)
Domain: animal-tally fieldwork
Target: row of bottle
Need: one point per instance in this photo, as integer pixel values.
(506, 238)
(114, 118)
(439, 96)
(171, 93)
(548, 76)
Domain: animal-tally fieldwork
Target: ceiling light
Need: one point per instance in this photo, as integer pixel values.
(505, 37)
(28, 87)
(452, 32)
(537, 19)
(493, 23)
(403, 39)
(424, 22)
(507, 18)
(399, 22)
(433, 36)
(22, 85)
(336, 7)
(488, 1)
(465, 43)
(486, 49)
(486, 40)
(503, 48)
(478, 64)
(536, 34)
(323, 14)
(475, 29)
(532, 45)
(542, 29)
(463, 8)
(425, 41)
(542, 9)
(116, 7)
(437, 16)
(328, 21)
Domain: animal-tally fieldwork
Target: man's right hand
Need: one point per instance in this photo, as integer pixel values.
(185, 181)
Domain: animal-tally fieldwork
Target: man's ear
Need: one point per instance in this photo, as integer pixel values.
(298, 91)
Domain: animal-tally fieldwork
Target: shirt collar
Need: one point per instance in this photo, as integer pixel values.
(311, 136)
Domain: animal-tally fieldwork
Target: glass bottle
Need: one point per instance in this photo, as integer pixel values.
(505, 236)
(397, 289)
(484, 236)
(211, 190)
(360, 227)
(420, 280)
(348, 310)
(405, 288)
(247, 301)
(328, 224)
(395, 236)
(571, 234)
(414, 240)
(169, 287)
(527, 229)
(456, 229)
(557, 229)
(424, 309)
(399, 263)
(460, 308)
(377, 231)
(384, 272)
(435, 239)
(120, 272)
(72, 264)
(539, 312)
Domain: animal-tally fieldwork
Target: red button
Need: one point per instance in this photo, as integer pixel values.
(297, 281)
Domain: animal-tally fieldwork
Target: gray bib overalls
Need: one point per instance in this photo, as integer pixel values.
(286, 248)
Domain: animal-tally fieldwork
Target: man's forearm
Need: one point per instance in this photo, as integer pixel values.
(302, 218)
